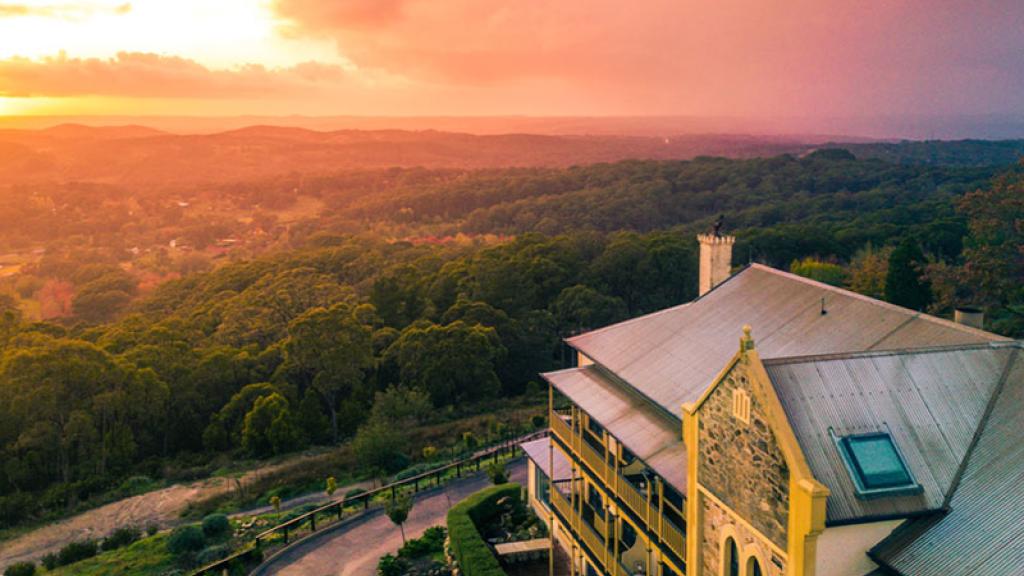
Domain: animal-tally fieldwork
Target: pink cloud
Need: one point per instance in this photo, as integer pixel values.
(728, 57)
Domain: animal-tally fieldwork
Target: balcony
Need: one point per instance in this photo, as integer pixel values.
(643, 509)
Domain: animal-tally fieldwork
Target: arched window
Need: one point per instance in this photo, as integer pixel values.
(753, 567)
(732, 558)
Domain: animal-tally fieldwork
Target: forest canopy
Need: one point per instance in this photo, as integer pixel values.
(449, 287)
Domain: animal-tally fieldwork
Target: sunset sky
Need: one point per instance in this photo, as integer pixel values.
(737, 58)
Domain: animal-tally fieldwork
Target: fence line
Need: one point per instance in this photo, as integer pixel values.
(337, 507)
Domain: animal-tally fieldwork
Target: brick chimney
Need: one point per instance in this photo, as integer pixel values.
(715, 260)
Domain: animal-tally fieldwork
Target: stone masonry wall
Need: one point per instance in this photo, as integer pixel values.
(741, 463)
(715, 518)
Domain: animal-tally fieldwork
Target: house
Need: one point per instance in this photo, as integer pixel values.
(780, 426)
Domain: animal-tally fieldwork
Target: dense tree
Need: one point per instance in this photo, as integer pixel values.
(905, 283)
(994, 254)
(270, 428)
(451, 363)
(379, 446)
(867, 271)
(331, 349)
(580, 308)
(815, 269)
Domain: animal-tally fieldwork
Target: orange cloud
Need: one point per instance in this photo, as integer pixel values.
(150, 75)
(723, 57)
(63, 11)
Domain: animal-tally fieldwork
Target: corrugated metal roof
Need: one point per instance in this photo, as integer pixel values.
(931, 401)
(672, 356)
(537, 450)
(983, 533)
(646, 430)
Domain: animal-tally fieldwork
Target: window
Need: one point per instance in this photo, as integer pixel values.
(543, 486)
(741, 405)
(876, 465)
(754, 568)
(732, 558)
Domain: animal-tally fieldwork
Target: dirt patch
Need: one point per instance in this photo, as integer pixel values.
(161, 507)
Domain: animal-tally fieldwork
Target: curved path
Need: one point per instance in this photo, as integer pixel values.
(353, 548)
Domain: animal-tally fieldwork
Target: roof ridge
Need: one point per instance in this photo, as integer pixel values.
(663, 310)
(994, 345)
(982, 426)
(875, 301)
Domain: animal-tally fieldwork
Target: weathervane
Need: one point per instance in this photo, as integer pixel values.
(718, 225)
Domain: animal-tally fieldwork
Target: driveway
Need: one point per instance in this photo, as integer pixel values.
(353, 548)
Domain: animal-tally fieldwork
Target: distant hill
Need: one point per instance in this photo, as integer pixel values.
(138, 155)
(946, 152)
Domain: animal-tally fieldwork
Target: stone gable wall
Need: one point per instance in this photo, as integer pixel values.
(741, 463)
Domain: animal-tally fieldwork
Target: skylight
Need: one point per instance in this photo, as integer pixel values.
(876, 465)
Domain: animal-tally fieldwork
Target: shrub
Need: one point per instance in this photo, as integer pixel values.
(186, 539)
(121, 537)
(429, 452)
(216, 526)
(391, 566)
(50, 561)
(211, 554)
(75, 551)
(20, 569)
(467, 544)
(152, 529)
(413, 471)
(431, 541)
(355, 492)
(332, 486)
(135, 485)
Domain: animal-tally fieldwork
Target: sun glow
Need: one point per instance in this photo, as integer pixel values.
(219, 34)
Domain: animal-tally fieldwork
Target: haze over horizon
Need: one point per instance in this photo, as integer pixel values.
(907, 69)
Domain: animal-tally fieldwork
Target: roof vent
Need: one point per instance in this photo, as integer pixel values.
(970, 316)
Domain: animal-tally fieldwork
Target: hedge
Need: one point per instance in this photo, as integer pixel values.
(467, 544)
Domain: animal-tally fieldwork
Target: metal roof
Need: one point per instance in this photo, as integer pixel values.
(653, 436)
(931, 401)
(983, 532)
(672, 356)
(538, 451)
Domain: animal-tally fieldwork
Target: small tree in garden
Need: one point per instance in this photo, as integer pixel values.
(469, 441)
(496, 472)
(429, 452)
(332, 486)
(398, 509)
(275, 501)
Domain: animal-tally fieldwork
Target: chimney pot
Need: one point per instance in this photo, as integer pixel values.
(970, 316)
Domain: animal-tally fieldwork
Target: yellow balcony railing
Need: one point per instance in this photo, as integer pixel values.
(594, 460)
(561, 428)
(594, 541)
(561, 503)
(674, 538)
(633, 498)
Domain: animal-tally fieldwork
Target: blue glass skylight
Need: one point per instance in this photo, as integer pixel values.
(876, 465)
